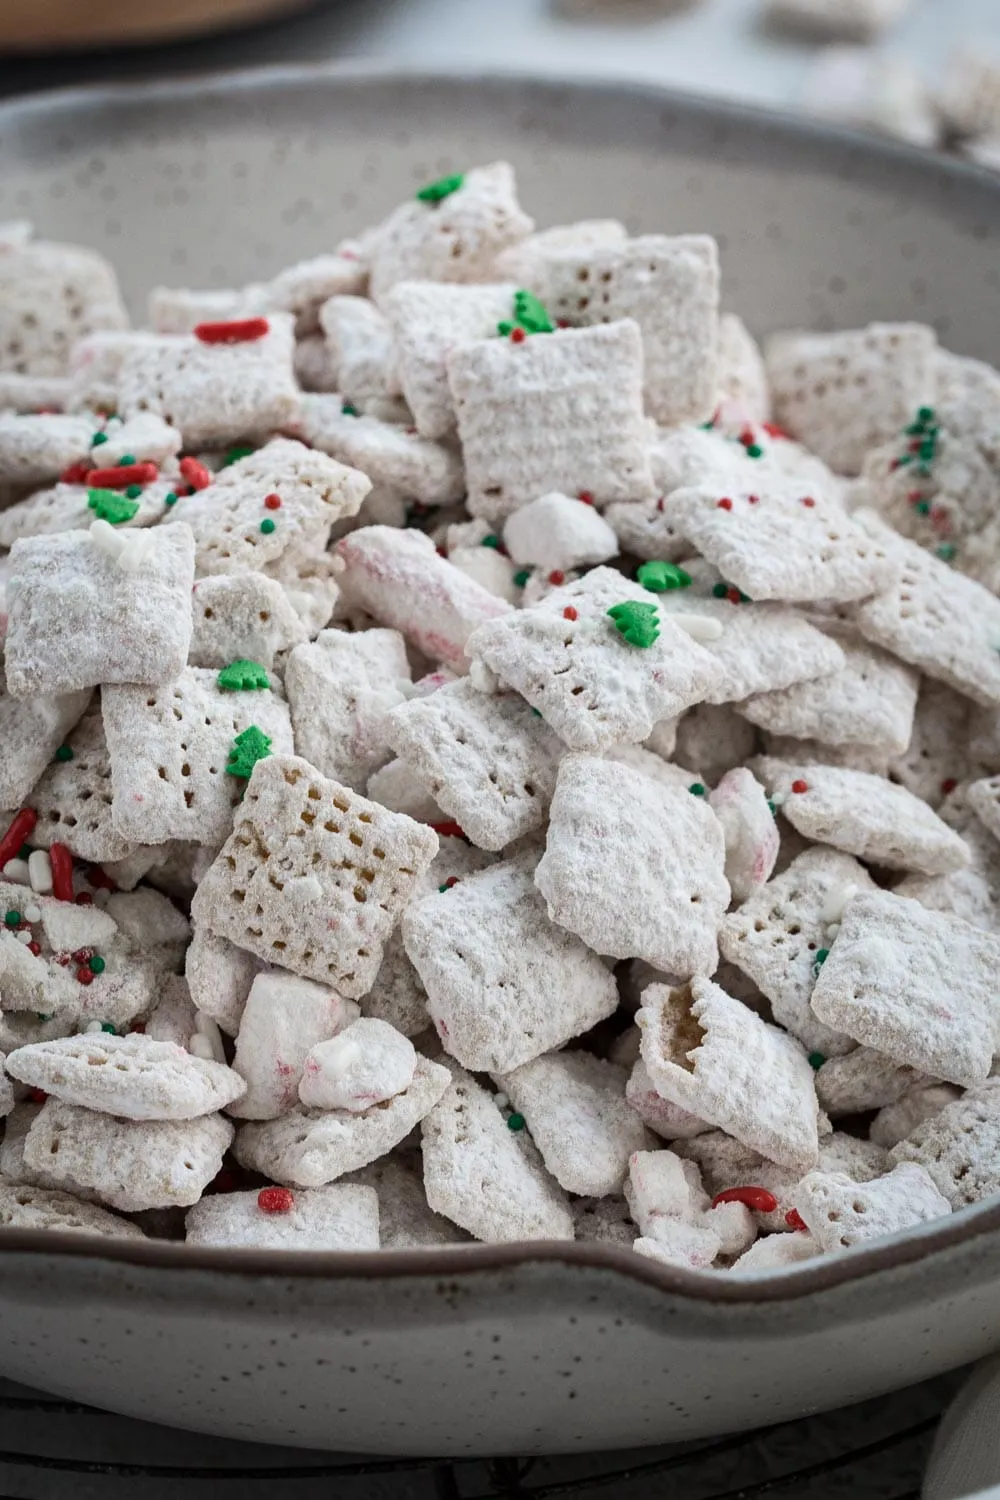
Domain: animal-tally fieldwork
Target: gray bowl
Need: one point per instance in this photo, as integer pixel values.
(513, 1349)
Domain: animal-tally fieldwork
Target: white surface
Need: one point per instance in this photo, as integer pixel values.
(717, 46)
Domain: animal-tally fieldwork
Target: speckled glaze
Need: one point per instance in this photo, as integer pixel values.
(495, 1349)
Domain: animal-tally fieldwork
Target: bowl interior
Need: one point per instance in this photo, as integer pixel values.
(221, 180)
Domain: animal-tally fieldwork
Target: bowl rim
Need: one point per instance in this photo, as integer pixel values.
(837, 148)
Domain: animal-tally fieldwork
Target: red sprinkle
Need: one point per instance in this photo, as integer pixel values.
(725, 504)
(451, 882)
(18, 833)
(197, 476)
(140, 1027)
(83, 955)
(449, 830)
(85, 975)
(569, 613)
(224, 1181)
(62, 872)
(753, 499)
(120, 476)
(84, 899)
(794, 1220)
(586, 497)
(733, 596)
(746, 437)
(35, 948)
(275, 1200)
(272, 502)
(800, 786)
(894, 466)
(100, 879)
(808, 501)
(660, 503)
(556, 577)
(773, 431)
(37, 1096)
(914, 497)
(757, 1198)
(237, 331)
(517, 335)
(76, 473)
(948, 785)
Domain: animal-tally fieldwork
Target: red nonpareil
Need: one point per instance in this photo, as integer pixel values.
(235, 331)
(20, 830)
(122, 475)
(800, 786)
(62, 872)
(757, 1198)
(725, 503)
(197, 476)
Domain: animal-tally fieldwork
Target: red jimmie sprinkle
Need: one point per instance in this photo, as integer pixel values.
(37, 1096)
(272, 502)
(275, 1200)
(800, 786)
(556, 577)
(753, 499)
(948, 785)
(733, 595)
(197, 476)
(773, 431)
(794, 1220)
(100, 879)
(660, 503)
(808, 501)
(62, 872)
(76, 473)
(746, 437)
(238, 331)
(757, 1198)
(725, 504)
(517, 335)
(34, 948)
(121, 475)
(19, 831)
(449, 830)
(586, 497)
(569, 613)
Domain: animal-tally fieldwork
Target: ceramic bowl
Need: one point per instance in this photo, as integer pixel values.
(514, 1349)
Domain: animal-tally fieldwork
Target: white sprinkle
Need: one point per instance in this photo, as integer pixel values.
(24, 936)
(698, 627)
(482, 678)
(207, 1028)
(32, 913)
(40, 871)
(779, 799)
(17, 870)
(837, 898)
(93, 1028)
(501, 1101)
(199, 1045)
(833, 929)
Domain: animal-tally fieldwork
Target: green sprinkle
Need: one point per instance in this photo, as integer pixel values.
(816, 1061)
(106, 1025)
(662, 577)
(922, 508)
(170, 499)
(43, 1018)
(707, 426)
(133, 491)
(243, 677)
(127, 458)
(636, 622)
(901, 463)
(12, 918)
(924, 470)
(822, 955)
(720, 590)
(515, 1121)
(538, 712)
(435, 192)
(490, 541)
(97, 964)
(234, 454)
(521, 578)
(696, 789)
(267, 526)
(112, 507)
(248, 748)
(946, 551)
(349, 410)
(98, 439)
(925, 415)
(64, 753)
(772, 808)
(442, 889)
(754, 450)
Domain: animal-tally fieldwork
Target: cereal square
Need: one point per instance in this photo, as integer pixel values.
(77, 618)
(50, 296)
(340, 689)
(169, 747)
(327, 1218)
(390, 455)
(558, 411)
(313, 876)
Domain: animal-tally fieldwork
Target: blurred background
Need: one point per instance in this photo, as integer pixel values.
(927, 71)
